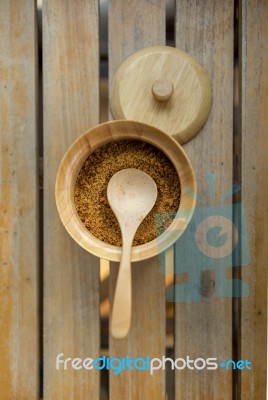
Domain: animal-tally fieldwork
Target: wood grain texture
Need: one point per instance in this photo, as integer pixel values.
(134, 25)
(71, 275)
(204, 329)
(254, 96)
(19, 336)
(146, 336)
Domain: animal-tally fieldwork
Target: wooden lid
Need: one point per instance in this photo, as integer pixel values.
(165, 87)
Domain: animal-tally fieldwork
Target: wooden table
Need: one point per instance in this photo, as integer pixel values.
(49, 287)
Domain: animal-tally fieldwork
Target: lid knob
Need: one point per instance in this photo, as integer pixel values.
(162, 89)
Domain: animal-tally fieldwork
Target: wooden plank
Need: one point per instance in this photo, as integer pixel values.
(19, 336)
(254, 91)
(71, 276)
(204, 329)
(134, 25)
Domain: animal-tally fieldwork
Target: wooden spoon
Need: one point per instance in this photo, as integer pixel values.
(131, 194)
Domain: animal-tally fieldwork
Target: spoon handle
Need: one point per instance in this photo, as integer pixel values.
(121, 314)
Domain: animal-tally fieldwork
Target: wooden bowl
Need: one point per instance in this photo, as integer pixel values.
(80, 150)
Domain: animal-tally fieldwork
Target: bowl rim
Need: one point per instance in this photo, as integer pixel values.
(70, 166)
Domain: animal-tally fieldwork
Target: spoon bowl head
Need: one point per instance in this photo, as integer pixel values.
(131, 193)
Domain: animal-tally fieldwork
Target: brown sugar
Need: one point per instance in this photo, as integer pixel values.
(90, 191)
